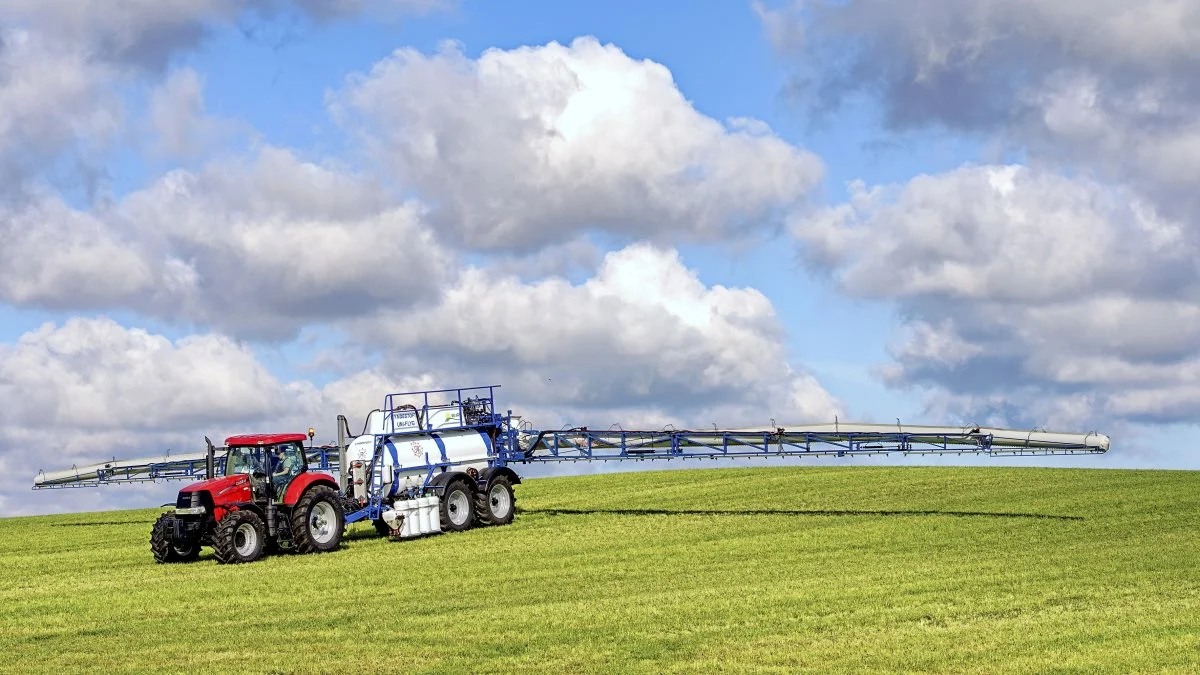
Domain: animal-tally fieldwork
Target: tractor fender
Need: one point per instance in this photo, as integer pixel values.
(485, 476)
(300, 484)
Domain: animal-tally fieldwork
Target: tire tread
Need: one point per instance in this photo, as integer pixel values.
(301, 541)
(483, 506)
(163, 548)
(223, 546)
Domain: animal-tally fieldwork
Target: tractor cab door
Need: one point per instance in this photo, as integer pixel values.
(288, 462)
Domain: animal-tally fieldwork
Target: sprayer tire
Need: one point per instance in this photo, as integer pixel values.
(229, 548)
(489, 506)
(458, 495)
(322, 504)
(163, 547)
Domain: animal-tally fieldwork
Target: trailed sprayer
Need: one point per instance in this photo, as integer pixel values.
(436, 461)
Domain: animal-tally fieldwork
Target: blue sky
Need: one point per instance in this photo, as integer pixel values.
(1000, 260)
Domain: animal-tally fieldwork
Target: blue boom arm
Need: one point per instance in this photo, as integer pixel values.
(584, 445)
(526, 446)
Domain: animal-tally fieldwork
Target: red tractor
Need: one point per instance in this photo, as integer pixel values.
(266, 502)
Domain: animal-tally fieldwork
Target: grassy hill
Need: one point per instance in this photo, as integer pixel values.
(776, 569)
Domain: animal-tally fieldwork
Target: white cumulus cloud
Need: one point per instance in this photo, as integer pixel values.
(1104, 87)
(277, 242)
(54, 100)
(530, 146)
(643, 334)
(257, 246)
(998, 233)
(1013, 280)
(178, 119)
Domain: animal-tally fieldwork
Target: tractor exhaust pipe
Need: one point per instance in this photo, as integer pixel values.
(210, 461)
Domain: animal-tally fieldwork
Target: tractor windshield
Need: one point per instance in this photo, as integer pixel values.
(246, 459)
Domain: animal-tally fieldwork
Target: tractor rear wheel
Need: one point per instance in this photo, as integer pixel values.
(163, 545)
(241, 537)
(496, 504)
(457, 506)
(317, 521)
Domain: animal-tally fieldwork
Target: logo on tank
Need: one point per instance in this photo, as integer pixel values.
(416, 448)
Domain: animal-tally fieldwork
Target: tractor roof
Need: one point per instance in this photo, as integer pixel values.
(264, 439)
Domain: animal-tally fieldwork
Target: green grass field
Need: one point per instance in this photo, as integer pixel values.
(775, 569)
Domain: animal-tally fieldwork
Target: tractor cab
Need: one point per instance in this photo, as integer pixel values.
(272, 462)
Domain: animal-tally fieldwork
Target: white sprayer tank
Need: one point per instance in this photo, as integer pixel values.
(407, 457)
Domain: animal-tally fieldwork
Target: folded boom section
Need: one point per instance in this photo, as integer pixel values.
(189, 466)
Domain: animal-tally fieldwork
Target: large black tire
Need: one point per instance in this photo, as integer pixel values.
(163, 545)
(241, 537)
(456, 506)
(318, 521)
(497, 504)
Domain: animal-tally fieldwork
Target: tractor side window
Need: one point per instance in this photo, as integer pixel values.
(289, 459)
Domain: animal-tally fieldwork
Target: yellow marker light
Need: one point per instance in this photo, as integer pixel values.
(311, 432)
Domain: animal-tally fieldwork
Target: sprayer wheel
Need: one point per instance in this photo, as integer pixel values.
(456, 509)
(497, 504)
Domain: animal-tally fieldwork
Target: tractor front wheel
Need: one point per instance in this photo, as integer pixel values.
(317, 521)
(241, 537)
(163, 545)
